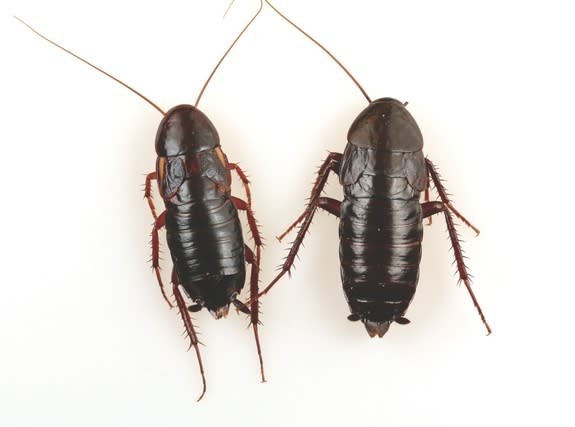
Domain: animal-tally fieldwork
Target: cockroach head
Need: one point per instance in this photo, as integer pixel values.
(386, 125)
(185, 130)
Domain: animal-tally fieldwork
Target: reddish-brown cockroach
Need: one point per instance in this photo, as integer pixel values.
(382, 171)
(202, 226)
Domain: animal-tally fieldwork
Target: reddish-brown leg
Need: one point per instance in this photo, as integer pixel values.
(246, 206)
(244, 179)
(441, 190)
(426, 200)
(252, 223)
(254, 261)
(148, 192)
(432, 208)
(158, 224)
(330, 205)
(331, 163)
(190, 331)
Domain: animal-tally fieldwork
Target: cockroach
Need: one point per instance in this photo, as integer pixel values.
(203, 229)
(383, 172)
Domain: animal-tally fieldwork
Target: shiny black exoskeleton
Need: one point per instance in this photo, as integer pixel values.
(382, 173)
(202, 225)
(203, 230)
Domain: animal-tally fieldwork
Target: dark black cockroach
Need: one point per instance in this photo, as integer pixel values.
(382, 171)
(202, 226)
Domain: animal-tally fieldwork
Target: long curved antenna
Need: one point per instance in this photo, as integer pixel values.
(228, 51)
(229, 7)
(322, 48)
(93, 66)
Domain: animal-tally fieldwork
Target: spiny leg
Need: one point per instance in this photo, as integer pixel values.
(148, 192)
(254, 261)
(426, 200)
(330, 205)
(442, 191)
(158, 224)
(254, 310)
(431, 208)
(191, 332)
(252, 223)
(247, 206)
(331, 163)
(244, 179)
(461, 267)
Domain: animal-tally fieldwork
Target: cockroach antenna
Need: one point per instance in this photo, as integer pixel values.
(322, 47)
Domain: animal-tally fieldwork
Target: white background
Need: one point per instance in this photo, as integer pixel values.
(86, 339)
